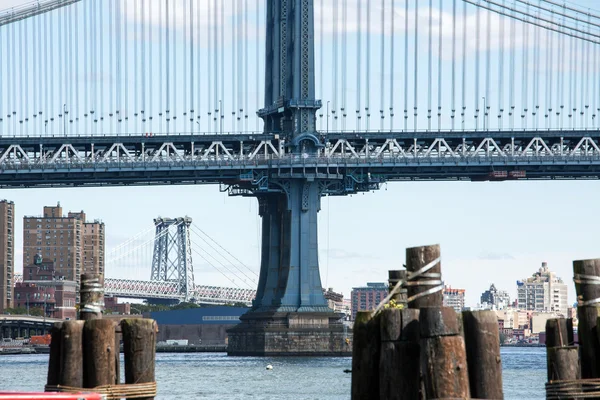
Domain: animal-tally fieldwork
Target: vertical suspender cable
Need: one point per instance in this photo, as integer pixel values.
(40, 83)
(223, 63)
(477, 52)
(382, 69)
(560, 73)
(150, 63)
(24, 75)
(584, 79)
(100, 108)
(406, 66)
(234, 61)
(163, 78)
(321, 62)
(13, 77)
(258, 61)
(595, 85)
(368, 76)
(186, 37)
(335, 61)
(453, 89)
(488, 69)
(464, 65)
(439, 111)
(143, 107)
(246, 63)
(46, 68)
(501, 72)
(21, 97)
(525, 72)
(191, 5)
(94, 67)
(536, 72)
(548, 74)
(111, 110)
(167, 66)
(429, 80)
(175, 63)
(240, 63)
(1, 77)
(416, 64)
(71, 75)
(118, 57)
(211, 49)
(572, 78)
(198, 106)
(392, 59)
(216, 65)
(137, 73)
(344, 61)
(358, 64)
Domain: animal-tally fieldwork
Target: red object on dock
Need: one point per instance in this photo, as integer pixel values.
(49, 396)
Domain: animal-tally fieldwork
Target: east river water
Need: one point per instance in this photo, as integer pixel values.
(216, 376)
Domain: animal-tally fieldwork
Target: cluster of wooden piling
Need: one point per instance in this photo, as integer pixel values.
(422, 350)
(84, 354)
(574, 370)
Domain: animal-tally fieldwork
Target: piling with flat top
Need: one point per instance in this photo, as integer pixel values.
(416, 259)
(54, 359)
(365, 356)
(586, 273)
(443, 354)
(562, 360)
(99, 353)
(399, 361)
(482, 340)
(71, 360)
(91, 296)
(139, 347)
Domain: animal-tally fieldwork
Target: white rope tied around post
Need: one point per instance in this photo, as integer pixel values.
(583, 279)
(436, 282)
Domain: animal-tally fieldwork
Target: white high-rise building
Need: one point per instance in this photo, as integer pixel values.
(543, 292)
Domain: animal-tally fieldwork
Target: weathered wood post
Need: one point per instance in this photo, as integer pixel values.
(586, 273)
(91, 293)
(417, 258)
(393, 277)
(400, 352)
(139, 339)
(482, 340)
(71, 360)
(443, 354)
(54, 359)
(99, 353)
(365, 356)
(562, 360)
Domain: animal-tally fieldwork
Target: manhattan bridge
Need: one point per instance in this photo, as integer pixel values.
(288, 101)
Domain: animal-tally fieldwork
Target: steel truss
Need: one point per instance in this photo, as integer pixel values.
(32, 9)
(131, 288)
(257, 159)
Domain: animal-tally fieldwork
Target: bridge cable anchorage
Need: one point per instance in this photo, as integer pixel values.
(201, 237)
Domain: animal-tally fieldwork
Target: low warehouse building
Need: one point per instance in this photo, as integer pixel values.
(206, 325)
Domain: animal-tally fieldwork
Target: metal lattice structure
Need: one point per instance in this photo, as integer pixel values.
(172, 265)
(132, 288)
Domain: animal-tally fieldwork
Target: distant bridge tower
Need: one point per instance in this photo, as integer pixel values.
(172, 259)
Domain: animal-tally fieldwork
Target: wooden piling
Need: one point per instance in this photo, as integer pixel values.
(139, 339)
(562, 360)
(71, 360)
(482, 340)
(393, 277)
(443, 354)
(91, 294)
(417, 258)
(99, 353)
(399, 362)
(557, 334)
(365, 356)
(587, 313)
(54, 359)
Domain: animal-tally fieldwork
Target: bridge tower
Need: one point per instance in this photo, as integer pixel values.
(172, 257)
(289, 297)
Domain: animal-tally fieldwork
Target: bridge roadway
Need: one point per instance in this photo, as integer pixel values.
(138, 289)
(358, 158)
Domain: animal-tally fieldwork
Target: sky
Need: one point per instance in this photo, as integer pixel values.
(489, 232)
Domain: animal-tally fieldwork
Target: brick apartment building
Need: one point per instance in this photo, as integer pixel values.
(7, 256)
(368, 297)
(74, 245)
